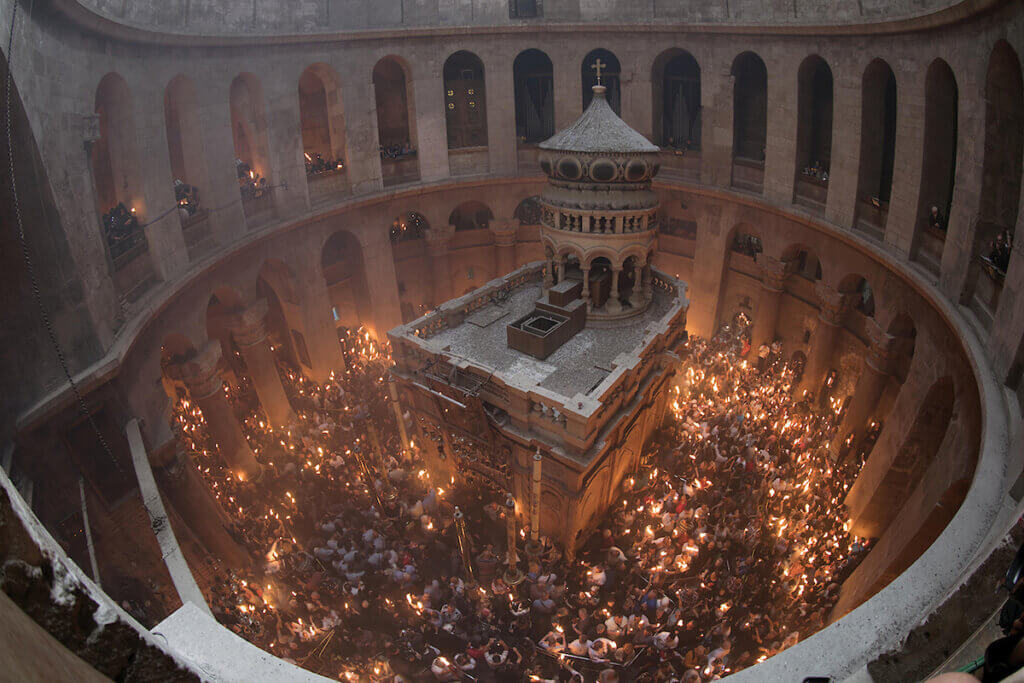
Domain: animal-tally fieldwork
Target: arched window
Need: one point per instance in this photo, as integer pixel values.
(249, 129)
(535, 98)
(115, 169)
(395, 133)
(813, 132)
(323, 131)
(610, 71)
(938, 166)
(465, 101)
(1000, 184)
(877, 147)
(188, 162)
(409, 226)
(677, 100)
(750, 107)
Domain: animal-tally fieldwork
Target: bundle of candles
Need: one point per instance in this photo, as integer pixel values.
(727, 546)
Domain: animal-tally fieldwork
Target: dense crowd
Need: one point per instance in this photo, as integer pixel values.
(251, 184)
(729, 544)
(816, 170)
(316, 164)
(121, 227)
(397, 151)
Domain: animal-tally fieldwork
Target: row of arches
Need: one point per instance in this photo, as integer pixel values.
(677, 122)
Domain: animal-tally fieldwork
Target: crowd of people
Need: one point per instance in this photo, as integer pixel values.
(187, 197)
(251, 184)
(397, 151)
(121, 228)
(999, 251)
(316, 164)
(729, 543)
(816, 170)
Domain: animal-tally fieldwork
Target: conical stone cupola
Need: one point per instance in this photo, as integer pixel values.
(599, 214)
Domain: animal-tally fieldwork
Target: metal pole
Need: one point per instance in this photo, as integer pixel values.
(535, 499)
(460, 534)
(397, 407)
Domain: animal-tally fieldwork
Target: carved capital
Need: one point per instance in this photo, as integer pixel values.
(200, 372)
(881, 346)
(249, 326)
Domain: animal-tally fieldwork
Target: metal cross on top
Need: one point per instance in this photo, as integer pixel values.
(597, 66)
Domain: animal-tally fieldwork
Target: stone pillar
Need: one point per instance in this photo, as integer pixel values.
(614, 305)
(843, 178)
(568, 88)
(163, 223)
(872, 380)
(867, 500)
(438, 240)
(903, 220)
(431, 129)
(284, 135)
(586, 287)
(560, 260)
(501, 112)
(636, 297)
(773, 277)
(192, 499)
(549, 274)
(249, 330)
(830, 320)
(781, 129)
(716, 120)
(207, 390)
(361, 139)
(222, 197)
(504, 232)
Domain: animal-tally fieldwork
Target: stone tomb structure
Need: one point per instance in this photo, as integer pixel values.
(562, 366)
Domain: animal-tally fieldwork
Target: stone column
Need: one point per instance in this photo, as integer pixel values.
(773, 277)
(716, 124)
(586, 287)
(870, 384)
(903, 220)
(568, 88)
(614, 305)
(438, 240)
(830, 320)
(222, 197)
(361, 139)
(431, 130)
(249, 330)
(163, 230)
(207, 390)
(504, 232)
(284, 136)
(560, 260)
(636, 297)
(549, 274)
(192, 499)
(846, 123)
(501, 112)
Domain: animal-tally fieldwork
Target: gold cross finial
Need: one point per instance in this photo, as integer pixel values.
(597, 66)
